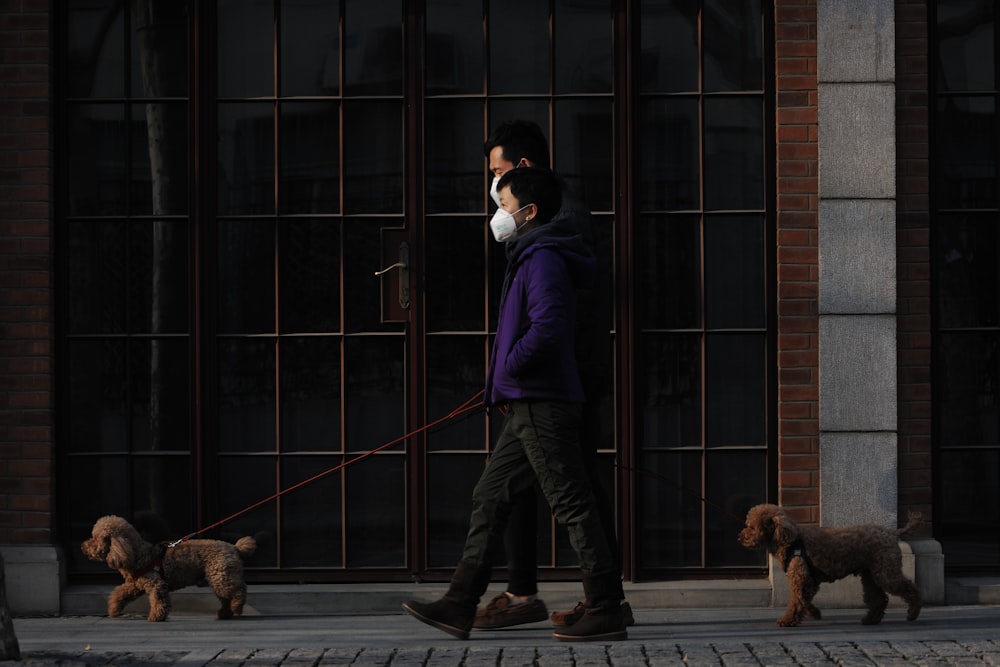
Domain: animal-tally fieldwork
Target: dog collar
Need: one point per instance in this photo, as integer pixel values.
(156, 564)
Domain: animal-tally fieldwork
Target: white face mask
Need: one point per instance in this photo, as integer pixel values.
(493, 190)
(504, 226)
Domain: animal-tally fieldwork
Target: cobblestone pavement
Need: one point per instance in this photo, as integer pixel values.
(961, 636)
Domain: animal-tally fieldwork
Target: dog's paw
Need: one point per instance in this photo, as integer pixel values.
(787, 622)
(872, 619)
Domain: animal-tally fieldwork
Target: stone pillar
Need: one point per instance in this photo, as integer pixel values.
(9, 649)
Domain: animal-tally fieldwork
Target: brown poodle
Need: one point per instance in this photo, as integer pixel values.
(158, 569)
(811, 555)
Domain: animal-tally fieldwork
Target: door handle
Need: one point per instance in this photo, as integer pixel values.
(404, 274)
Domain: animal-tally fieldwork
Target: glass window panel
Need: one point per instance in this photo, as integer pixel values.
(734, 153)
(668, 61)
(97, 488)
(669, 510)
(309, 180)
(454, 48)
(159, 149)
(455, 162)
(96, 396)
(159, 384)
(668, 272)
(966, 387)
(965, 146)
(734, 271)
(309, 276)
(245, 48)
(96, 285)
(523, 68)
(735, 482)
(311, 522)
(246, 158)
(732, 34)
(455, 275)
(967, 270)
(583, 150)
(243, 482)
(669, 390)
(310, 47)
(94, 45)
(450, 480)
(582, 46)
(505, 109)
(669, 155)
(246, 395)
(970, 506)
(310, 394)
(362, 291)
(966, 35)
(734, 390)
(162, 497)
(96, 146)
(373, 391)
(376, 512)
(373, 53)
(158, 289)
(456, 372)
(373, 157)
(246, 276)
(160, 48)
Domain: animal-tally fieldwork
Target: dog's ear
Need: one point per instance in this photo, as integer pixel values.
(121, 554)
(785, 530)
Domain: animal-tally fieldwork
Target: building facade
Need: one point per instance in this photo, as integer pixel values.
(245, 245)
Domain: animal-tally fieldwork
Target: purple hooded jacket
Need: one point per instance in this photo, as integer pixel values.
(533, 353)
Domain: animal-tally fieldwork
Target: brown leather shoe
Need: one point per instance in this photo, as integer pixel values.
(501, 613)
(562, 619)
(596, 624)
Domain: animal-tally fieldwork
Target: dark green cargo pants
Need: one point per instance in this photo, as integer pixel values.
(540, 439)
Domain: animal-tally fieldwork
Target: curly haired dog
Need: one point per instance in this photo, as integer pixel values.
(158, 569)
(811, 555)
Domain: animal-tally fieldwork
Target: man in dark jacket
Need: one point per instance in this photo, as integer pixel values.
(533, 375)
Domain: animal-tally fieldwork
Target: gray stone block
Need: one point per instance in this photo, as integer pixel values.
(857, 379)
(856, 40)
(857, 141)
(858, 479)
(857, 256)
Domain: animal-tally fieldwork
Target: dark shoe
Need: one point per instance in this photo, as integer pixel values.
(563, 619)
(502, 613)
(605, 624)
(453, 618)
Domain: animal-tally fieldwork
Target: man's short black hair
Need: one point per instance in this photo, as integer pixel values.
(519, 139)
(534, 185)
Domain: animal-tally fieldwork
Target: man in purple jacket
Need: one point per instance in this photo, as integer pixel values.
(533, 374)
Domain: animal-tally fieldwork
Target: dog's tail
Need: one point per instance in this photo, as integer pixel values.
(913, 520)
(247, 546)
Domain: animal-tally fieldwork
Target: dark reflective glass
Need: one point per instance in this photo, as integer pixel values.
(668, 272)
(967, 383)
(96, 489)
(246, 276)
(668, 60)
(309, 47)
(966, 35)
(159, 393)
(519, 47)
(309, 173)
(669, 391)
(158, 289)
(96, 396)
(669, 510)
(373, 53)
(734, 271)
(245, 48)
(456, 371)
(376, 512)
(95, 32)
(162, 497)
(362, 291)
(732, 35)
(967, 270)
(450, 480)
(243, 482)
(160, 48)
(735, 482)
(159, 152)
(246, 158)
(373, 391)
(669, 155)
(454, 47)
(96, 268)
(582, 43)
(309, 377)
(734, 390)
(455, 275)
(311, 521)
(504, 109)
(583, 150)
(309, 276)
(373, 157)
(965, 143)
(96, 164)
(970, 507)
(246, 395)
(734, 153)
(453, 132)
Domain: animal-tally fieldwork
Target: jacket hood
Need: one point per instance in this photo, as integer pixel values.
(568, 242)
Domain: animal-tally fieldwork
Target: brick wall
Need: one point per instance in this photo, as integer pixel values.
(26, 415)
(913, 259)
(798, 257)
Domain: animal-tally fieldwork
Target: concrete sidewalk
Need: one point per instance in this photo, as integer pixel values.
(945, 635)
